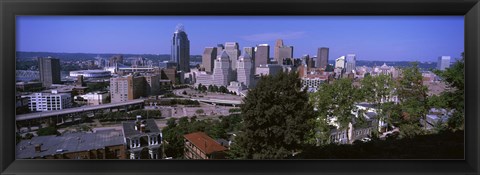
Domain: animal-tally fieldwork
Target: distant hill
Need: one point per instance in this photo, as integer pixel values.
(31, 56)
(422, 65)
(82, 56)
(28, 56)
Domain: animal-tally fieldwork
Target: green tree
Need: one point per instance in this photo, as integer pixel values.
(18, 138)
(412, 96)
(200, 87)
(378, 90)
(210, 88)
(223, 89)
(199, 111)
(47, 131)
(454, 99)
(276, 118)
(334, 102)
(171, 122)
(28, 136)
(215, 88)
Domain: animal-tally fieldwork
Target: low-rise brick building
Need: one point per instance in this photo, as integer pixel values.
(199, 145)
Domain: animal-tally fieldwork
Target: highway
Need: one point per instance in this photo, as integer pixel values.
(75, 110)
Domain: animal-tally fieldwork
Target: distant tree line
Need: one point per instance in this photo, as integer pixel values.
(213, 88)
(125, 116)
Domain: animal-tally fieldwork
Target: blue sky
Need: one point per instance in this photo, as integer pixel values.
(421, 38)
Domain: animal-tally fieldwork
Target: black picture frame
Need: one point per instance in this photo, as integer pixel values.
(10, 8)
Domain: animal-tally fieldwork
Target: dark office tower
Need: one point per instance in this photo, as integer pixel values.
(181, 49)
(282, 52)
(276, 50)
(262, 55)
(322, 58)
(285, 52)
(208, 58)
(49, 71)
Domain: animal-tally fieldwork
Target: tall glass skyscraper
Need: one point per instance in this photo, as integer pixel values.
(181, 49)
(350, 63)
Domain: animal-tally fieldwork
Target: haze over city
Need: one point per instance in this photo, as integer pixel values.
(389, 38)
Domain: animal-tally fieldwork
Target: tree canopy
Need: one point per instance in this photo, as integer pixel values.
(276, 118)
(454, 99)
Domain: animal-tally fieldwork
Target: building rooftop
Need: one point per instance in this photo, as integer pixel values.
(150, 127)
(68, 143)
(203, 142)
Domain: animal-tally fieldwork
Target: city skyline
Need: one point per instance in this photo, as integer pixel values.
(401, 38)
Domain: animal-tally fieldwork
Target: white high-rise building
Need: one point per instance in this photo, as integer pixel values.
(350, 63)
(222, 70)
(443, 62)
(245, 70)
(49, 101)
(340, 62)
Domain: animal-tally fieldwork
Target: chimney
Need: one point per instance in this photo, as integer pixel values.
(142, 128)
(138, 122)
(38, 148)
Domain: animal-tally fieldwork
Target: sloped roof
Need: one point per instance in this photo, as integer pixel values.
(150, 128)
(68, 143)
(203, 142)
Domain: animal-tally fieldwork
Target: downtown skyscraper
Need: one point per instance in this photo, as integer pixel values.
(262, 55)
(233, 51)
(282, 52)
(222, 70)
(350, 64)
(322, 58)
(181, 49)
(208, 58)
(245, 71)
(49, 71)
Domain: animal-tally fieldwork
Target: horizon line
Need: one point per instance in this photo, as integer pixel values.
(452, 58)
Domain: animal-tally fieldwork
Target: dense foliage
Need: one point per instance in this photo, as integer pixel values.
(443, 145)
(175, 130)
(334, 100)
(412, 107)
(453, 100)
(123, 116)
(97, 86)
(173, 102)
(276, 118)
(47, 131)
